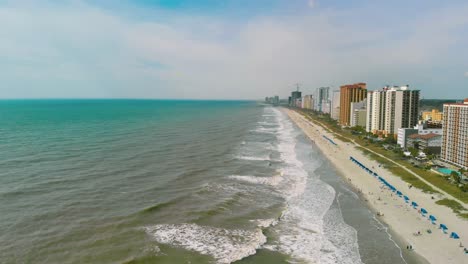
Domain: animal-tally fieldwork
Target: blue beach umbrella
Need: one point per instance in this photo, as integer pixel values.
(432, 218)
(398, 193)
(414, 204)
(423, 211)
(442, 226)
(454, 235)
(406, 198)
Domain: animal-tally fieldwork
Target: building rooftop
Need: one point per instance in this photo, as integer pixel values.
(354, 86)
(425, 136)
(464, 103)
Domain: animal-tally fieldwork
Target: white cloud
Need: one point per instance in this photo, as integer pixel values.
(93, 53)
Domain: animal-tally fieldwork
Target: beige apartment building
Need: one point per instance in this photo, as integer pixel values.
(349, 94)
(434, 115)
(455, 134)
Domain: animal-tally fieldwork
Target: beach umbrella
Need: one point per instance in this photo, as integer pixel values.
(432, 218)
(398, 193)
(423, 211)
(375, 174)
(442, 226)
(454, 235)
(406, 198)
(414, 204)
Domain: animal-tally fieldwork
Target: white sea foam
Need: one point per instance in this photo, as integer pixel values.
(273, 180)
(265, 123)
(265, 158)
(263, 131)
(224, 245)
(264, 223)
(303, 230)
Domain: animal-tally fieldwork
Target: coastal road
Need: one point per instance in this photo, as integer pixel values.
(401, 166)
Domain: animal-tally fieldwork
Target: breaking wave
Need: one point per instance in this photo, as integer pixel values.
(224, 245)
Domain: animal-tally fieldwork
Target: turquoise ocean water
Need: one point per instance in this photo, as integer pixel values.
(148, 181)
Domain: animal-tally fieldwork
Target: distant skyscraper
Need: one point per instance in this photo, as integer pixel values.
(392, 108)
(455, 134)
(349, 94)
(335, 105)
(323, 100)
(294, 96)
(276, 100)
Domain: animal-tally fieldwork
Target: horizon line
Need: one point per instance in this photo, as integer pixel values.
(142, 99)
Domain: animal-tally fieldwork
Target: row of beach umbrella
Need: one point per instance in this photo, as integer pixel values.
(423, 211)
(331, 141)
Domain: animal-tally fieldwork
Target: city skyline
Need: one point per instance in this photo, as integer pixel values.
(228, 49)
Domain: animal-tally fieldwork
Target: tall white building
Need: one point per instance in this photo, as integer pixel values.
(335, 105)
(392, 108)
(455, 134)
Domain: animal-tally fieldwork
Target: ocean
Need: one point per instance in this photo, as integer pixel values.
(163, 181)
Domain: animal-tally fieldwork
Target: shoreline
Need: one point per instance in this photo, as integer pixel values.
(403, 220)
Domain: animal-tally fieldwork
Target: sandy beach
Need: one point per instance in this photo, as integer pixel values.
(404, 220)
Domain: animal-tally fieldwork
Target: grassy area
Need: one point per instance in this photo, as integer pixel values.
(400, 172)
(433, 178)
(455, 206)
(441, 182)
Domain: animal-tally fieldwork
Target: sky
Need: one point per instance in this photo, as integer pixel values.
(229, 49)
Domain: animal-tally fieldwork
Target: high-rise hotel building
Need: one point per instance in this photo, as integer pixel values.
(322, 100)
(392, 108)
(335, 105)
(349, 94)
(455, 134)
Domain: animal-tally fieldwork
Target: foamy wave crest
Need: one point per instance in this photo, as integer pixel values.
(265, 123)
(253, 158)
(264, 131)
(264, 223)
(295, 175)
(273, 181)
(224, 245)
(304, 232)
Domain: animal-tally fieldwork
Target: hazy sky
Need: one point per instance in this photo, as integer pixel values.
(233, 49)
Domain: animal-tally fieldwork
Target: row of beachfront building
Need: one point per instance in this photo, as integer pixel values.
(394, 111)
